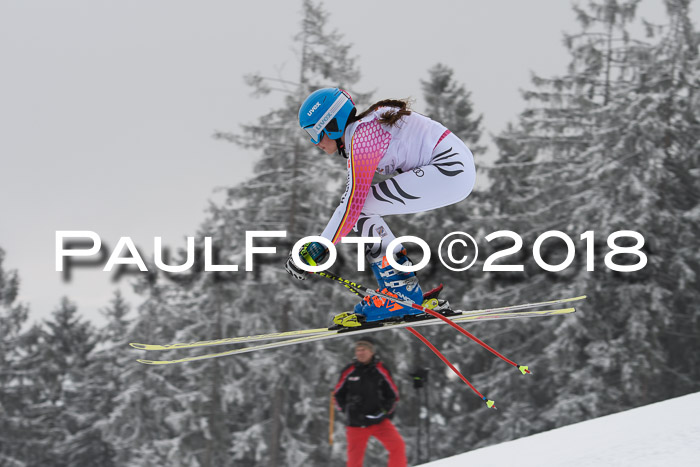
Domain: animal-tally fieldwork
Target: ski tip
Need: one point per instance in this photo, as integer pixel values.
(136, 345)
(524, 369)
(490, 404)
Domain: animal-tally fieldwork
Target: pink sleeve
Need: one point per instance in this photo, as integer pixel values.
(368, 145)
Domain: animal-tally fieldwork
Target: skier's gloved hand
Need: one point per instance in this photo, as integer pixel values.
(294, 270)
(311, 253)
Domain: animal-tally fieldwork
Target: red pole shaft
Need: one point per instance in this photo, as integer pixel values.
(468, 334)
(445, 360)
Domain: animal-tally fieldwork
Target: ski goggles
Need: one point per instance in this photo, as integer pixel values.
(327, 119)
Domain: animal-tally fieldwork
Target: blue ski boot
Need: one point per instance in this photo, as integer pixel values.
(402, 285)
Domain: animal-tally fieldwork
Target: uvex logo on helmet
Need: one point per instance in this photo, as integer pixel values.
(322, 123)
(316, 106)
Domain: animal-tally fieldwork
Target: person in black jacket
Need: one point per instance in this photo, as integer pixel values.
(367, 395)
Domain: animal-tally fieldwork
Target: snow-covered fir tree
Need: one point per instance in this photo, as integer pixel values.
(600, 149)
(14, 399)
(111, 361)
(59, 419)
(283, 419)
(450, 103)
(144, 424)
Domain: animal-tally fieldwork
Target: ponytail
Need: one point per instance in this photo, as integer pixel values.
(389, 117)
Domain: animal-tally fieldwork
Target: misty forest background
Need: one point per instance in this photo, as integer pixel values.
(611, 143)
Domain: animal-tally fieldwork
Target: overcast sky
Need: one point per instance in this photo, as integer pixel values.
(107, 108)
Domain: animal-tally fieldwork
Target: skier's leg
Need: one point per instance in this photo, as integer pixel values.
(357, 438)
(448, 179)
(389, 436)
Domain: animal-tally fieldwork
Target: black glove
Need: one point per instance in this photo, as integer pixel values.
(311, 253)
(294, 270)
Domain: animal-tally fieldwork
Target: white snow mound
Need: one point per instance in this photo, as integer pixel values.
(663, 434)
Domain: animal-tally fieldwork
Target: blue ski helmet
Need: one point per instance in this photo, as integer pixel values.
(326, 111)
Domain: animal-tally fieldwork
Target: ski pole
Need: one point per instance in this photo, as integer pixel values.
(359, 289)
(489, 403)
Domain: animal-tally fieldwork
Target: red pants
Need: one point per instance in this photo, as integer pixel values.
(386, 433)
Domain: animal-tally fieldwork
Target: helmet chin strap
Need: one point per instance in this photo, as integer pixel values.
(341, 148)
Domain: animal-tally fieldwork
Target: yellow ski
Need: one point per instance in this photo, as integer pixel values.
(319, 331)
(231, 340)
(489, 316)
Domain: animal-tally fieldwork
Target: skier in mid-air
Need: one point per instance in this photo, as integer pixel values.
(434, 169)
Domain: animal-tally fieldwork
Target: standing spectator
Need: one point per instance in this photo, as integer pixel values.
(367, 396)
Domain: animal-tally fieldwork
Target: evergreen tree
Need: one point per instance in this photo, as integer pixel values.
(294, 188)
(13, 397)
(102, 389)
(55, 369)
(144, 426)
(679, 111)
(254, 409)
(87, 392)
(450, 104)
(601, 149)
(203, 417)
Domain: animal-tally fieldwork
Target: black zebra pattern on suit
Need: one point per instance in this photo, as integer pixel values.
(398, 194)
(373, 251)
(442, 160)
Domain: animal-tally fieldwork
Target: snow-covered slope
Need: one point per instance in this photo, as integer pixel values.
(663, 434)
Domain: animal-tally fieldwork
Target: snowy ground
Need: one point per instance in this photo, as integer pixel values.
(659, 435)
